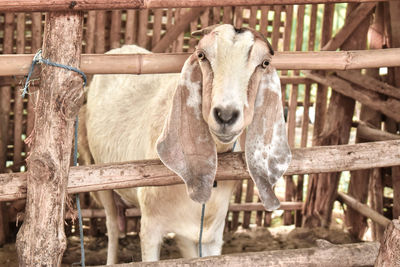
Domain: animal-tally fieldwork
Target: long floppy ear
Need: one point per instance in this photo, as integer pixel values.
(267, 150)
(185, 146)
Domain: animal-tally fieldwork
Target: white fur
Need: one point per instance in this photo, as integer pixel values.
(125, 116)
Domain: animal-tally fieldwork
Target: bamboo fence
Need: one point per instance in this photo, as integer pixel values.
(163, 29)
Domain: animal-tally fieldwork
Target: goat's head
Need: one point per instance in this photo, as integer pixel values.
(227, 85)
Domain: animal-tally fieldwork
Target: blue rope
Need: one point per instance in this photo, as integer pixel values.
(78, 202)
(203, 207)
(37, 59)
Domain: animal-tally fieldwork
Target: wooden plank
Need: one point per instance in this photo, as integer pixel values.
(41, 239)
(389, 107)
(231, 166)
(376, 202)
(154, 63)
(352, 22)
(173, 33)
(327, 255)
(238, 199)
(67, 5)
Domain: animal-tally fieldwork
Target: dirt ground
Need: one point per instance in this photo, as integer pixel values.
(254, 239)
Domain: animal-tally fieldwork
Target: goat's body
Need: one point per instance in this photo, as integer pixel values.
(125, 116)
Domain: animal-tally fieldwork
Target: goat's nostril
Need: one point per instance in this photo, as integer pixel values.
(226, 116)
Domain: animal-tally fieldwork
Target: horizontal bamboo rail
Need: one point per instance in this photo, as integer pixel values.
(363, 209)
(135, 212)
(172, 63)
(326, 254)
(67, 5)
(231, 166)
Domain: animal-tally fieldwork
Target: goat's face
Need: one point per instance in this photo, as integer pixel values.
(227, 86)
(232, 62)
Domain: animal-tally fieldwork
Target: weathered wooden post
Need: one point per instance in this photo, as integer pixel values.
(41, 240)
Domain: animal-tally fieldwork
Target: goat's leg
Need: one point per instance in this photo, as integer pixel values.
(213, 248)
(187, 247)
(150, 239)
(107, 200)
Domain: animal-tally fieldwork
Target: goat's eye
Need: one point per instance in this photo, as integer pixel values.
(264, 64)
(201, 55)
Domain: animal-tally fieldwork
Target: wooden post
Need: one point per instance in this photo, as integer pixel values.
(41, 240)
(358, 186)
(394, 8)
(336, 130)
(389, 252)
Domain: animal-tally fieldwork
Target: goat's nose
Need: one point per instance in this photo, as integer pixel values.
(227, 116)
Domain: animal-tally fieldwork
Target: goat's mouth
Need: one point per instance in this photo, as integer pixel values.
(225, 138)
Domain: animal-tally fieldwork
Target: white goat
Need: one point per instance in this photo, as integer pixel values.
(226, 86)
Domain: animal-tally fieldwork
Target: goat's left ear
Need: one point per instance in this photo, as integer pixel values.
(267, 151)
(185, 145)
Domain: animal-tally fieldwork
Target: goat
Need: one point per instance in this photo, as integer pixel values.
(226, 87)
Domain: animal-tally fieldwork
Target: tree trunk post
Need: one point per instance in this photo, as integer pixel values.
(41, 240)
(389, 252)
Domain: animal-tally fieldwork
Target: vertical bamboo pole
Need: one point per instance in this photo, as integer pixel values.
(309, 218)
(358, 186)
(394, 8)
(99, 35)
(130, 27)
(216, 14)
(227, 15)
(290, 186)
(264, 20)
(156, 26)
(142, 28)
(306, 106)
(238, 17)
(322, 190)
(193, 41)
(18, 101)
(205, 18)
(5, 107)
(276, 25)
(41, 240)
(90, 32)
(36, 45)
(248, 199)
(115, 33)
(253, 17)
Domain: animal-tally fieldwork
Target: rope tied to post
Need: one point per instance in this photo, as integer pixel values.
(37, 59)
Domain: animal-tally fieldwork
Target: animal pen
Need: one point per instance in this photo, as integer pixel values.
(350, 77)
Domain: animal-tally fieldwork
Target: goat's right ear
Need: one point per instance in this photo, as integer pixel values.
(185, 145)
